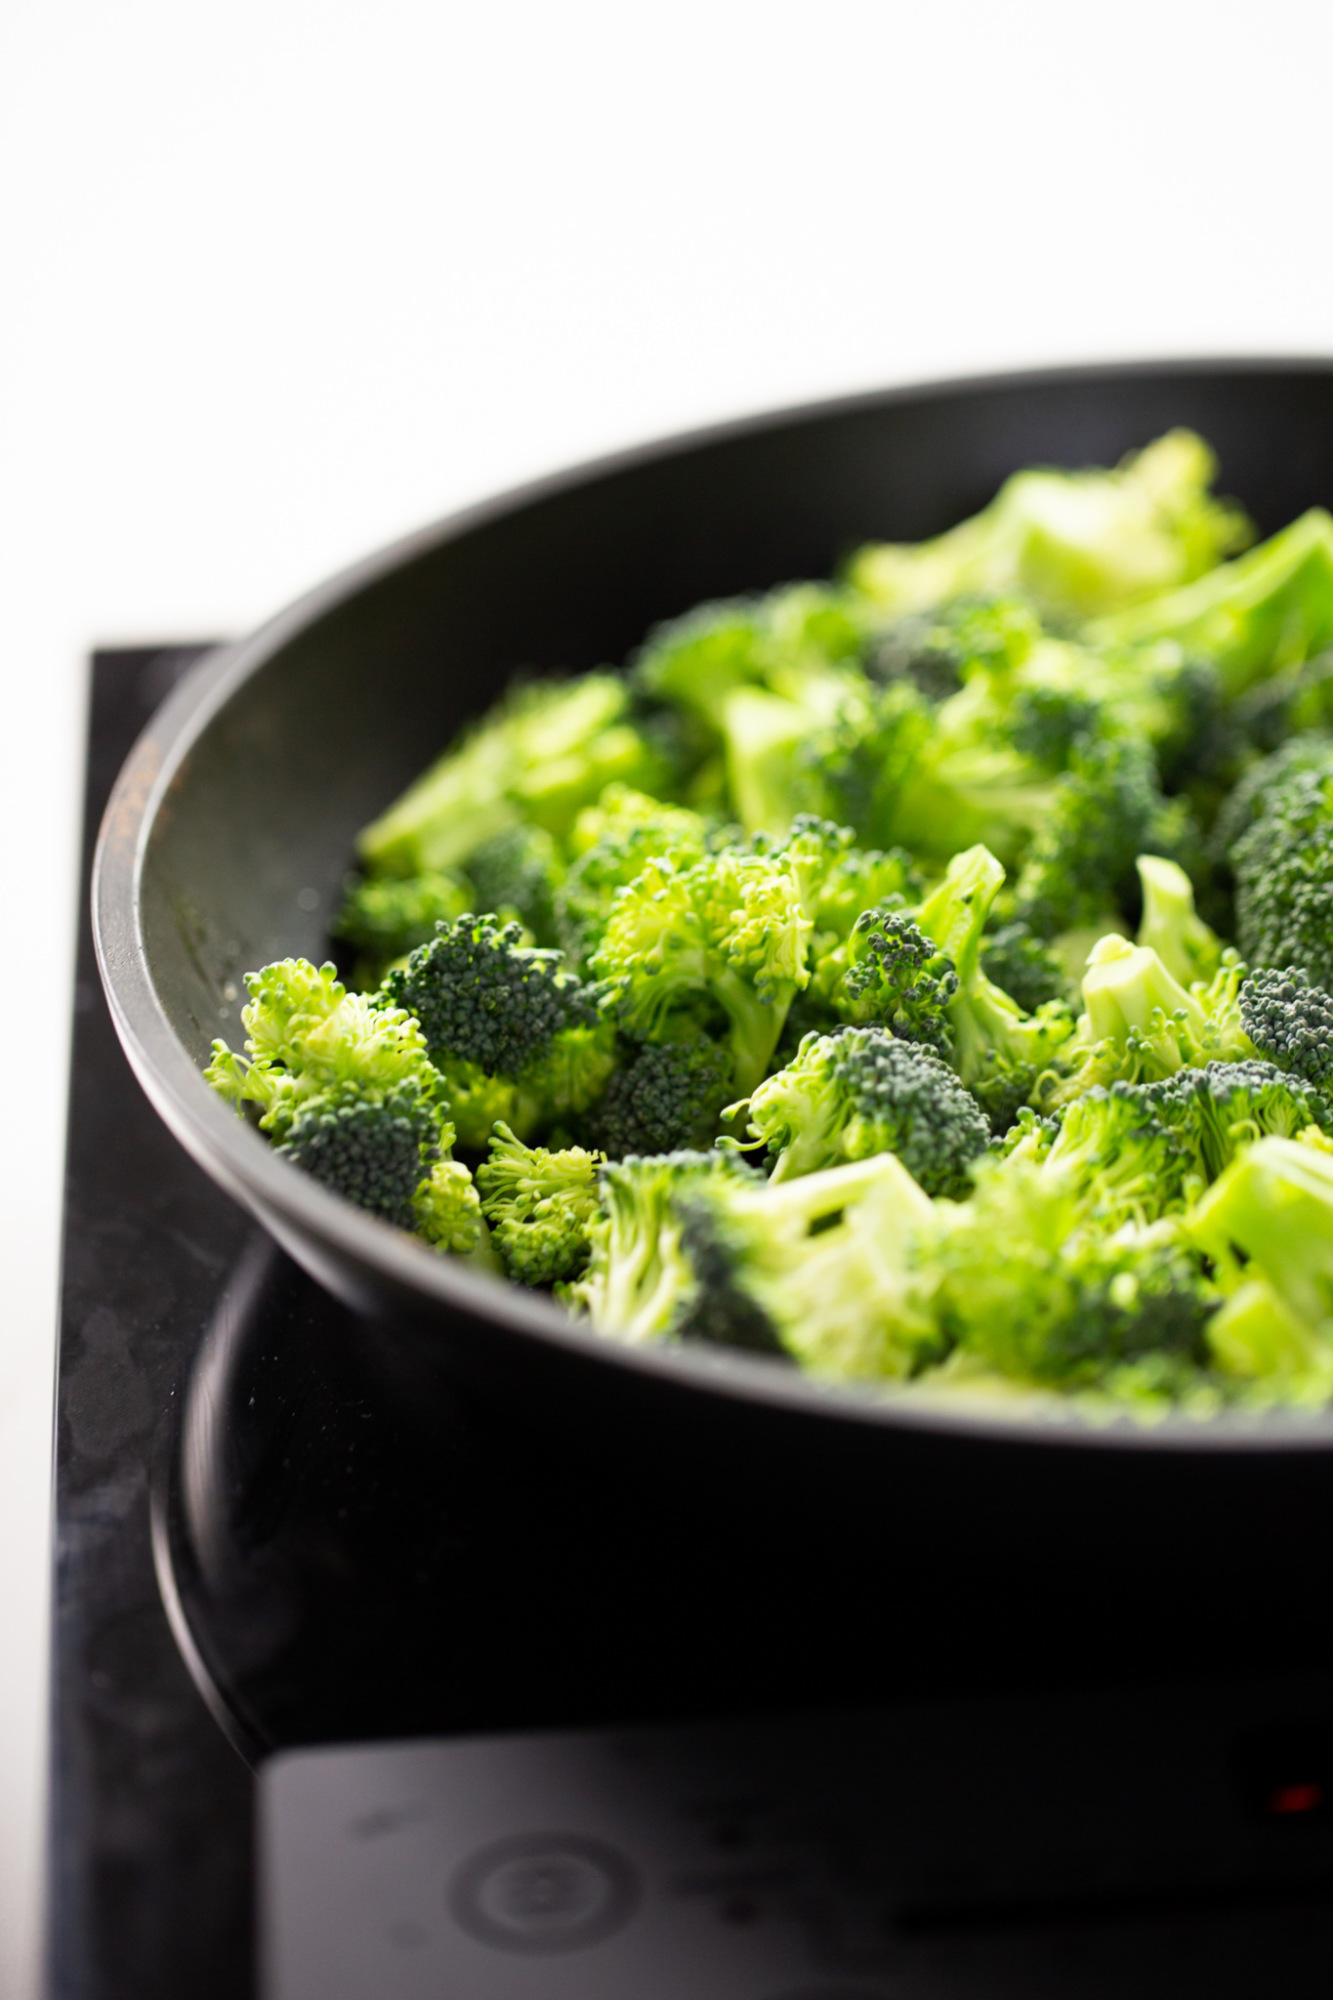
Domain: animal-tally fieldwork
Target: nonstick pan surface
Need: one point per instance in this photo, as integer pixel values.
(232, 825)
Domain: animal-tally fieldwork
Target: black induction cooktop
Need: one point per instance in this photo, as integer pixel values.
(261, 1562)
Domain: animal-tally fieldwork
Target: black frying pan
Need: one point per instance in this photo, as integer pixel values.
(230, 829)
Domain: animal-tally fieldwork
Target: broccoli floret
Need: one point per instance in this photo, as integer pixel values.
(1182, 940)
(640, 1285)
(447, 1214)
(540, 755)
(1106, 810)
(999, 1051)
(540, 1206)
(515, 874)
(1023, 966)
(385, 917)
(484, 997)
(780, 642)
(345, 1090)
(730, 933)
(514, 1036)
(667, 1098)
(1267, 1223)
(1140, 1024)
(817, 1267)
(612, 841)
(1248, 801)
(1030, 1287)
(373, 1150)
(1283, 869)
(1076, 542)
(1216, 1110)
(896, 978)
(1122, 1158)
(1290, 1022)
(1270, 609)
(931, 781)
(861, 1091)
(861, 879)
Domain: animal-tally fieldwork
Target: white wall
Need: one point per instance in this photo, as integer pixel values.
(281, 280)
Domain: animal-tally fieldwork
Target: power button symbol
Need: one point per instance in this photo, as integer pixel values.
(544, 1892)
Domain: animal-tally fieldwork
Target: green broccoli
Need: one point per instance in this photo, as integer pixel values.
(1105, 811)
(1270, 609)
(1023, 966)
(544, 752)
(891, 975)
(666, 1097)
(781, 643)
(612, 842)
(1267, 1224)
(1170, 925)
(1140, 1024)
(1290, 1022)
(819, 1268)
(540, 1206)
(494, 1011)
(1077, 543)
(860, 1091)
(346, 1091)
(1283, 869)
(1214, 1111)
(640, 1285)
(1028, 1285)
(728, 935)
(999, 1051)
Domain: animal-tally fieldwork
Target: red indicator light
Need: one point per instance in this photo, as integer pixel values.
(1296, 1798)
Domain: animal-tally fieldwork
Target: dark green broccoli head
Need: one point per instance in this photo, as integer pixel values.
(1024, 966)
(1290, 1022)
(1283, 869)
(1266, 781)
(372, 1150)
(516, 873)
(862, 1091)
(899, 979)
(540, 1206)
(1107, 810)
(482, 996)
(1125, 1162)
(667, 1098)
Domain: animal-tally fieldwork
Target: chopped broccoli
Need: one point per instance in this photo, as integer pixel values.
(1267, 1223)
(1290, 1022)
(514, 1036)
(780, 643)
(540, 1206)
(640, 1284)
(999, 1051)
(1283, 869)
(544, 752)
(859, 1092)
(1217, 1110)
(613, 840)
(1077, 542)
(447, 1215)
(817, 1267)
(1106, 810)
(1140, 1024)
(729, 934)
(667, 1097)
(1271, 608)
(1182, 940)
(1028, 1286)
(897, 978)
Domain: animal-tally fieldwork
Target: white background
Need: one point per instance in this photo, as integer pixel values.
(283, 280)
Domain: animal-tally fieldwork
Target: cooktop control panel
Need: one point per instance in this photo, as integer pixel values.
(1145, 1842)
